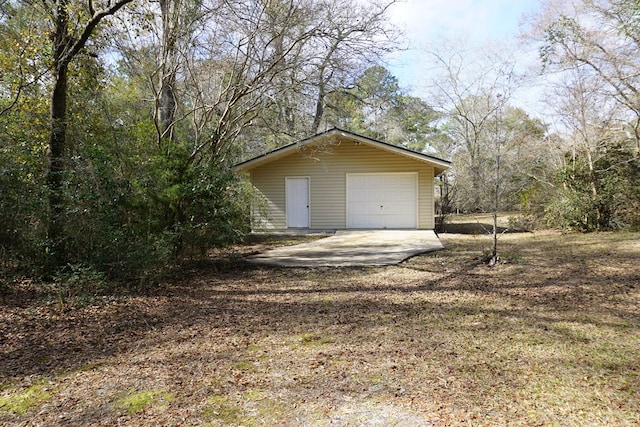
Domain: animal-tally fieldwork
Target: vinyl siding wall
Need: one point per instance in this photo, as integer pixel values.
(327, 169)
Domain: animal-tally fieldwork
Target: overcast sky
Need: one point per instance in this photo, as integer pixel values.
(426, 22)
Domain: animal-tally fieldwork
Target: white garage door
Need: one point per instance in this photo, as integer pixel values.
(382, 200)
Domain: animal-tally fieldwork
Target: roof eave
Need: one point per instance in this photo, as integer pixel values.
(279, 152)
(440, 165)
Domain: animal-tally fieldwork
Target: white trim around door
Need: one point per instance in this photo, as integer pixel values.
(297, 197)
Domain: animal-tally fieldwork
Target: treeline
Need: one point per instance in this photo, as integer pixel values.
(119, 120)
(580, 168)
(591, 48)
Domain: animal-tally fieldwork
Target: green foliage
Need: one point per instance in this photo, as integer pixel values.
(627, 15)
(133, 209)
(607, 197)
(22, 178)
(376, 107)
(76, 278)
(215, 210)
(570, 210)
(24, 37)
(128, 203)
(76, 285)
(161, 209)
(564, 34)
(23, 132)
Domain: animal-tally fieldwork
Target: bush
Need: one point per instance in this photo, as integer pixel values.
(22, 208)
(124, 217)
(143, 226)
(523, 222)
(76, 284)
(216, 211)
(605, 198)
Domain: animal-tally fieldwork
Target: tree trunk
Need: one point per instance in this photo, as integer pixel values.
(322, 83)
(445, 203)
(317, 119)
(167, 98)
(167, 106)
(57, 138)
(476, 176)
(57, 165)
(594, 190)
(65, 48)
(494, 248)
(499, 181)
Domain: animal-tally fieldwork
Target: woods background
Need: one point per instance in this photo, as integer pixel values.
(119, 120)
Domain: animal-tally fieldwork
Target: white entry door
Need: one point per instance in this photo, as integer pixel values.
(297, 201)
(386, 200)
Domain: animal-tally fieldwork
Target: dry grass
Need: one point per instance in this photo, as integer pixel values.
(550, 337)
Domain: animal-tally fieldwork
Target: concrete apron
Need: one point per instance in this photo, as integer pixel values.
(353, 248)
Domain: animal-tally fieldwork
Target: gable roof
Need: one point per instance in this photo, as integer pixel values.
(439, 165)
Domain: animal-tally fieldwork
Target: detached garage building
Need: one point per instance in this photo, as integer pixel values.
(340, 180)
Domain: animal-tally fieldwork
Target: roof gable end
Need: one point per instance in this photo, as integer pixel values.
(439, 165)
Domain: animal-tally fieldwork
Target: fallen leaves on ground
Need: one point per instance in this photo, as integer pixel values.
(548, 337)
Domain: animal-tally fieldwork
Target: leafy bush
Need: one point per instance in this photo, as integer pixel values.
(216, 211)
(22, 206)
(144, 225)
(605, 198)
(570, 210)
(76, 284)
(131, 209)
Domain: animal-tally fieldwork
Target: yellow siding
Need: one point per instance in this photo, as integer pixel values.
(327, 169)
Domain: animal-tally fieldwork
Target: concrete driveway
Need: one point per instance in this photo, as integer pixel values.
(353, 248)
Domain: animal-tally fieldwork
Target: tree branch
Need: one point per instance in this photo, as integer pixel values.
(90, 27)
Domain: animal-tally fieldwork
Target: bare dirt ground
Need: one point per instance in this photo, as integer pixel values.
(549, 337)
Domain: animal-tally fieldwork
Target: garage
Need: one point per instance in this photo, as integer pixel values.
(382, 200)
(338, 180)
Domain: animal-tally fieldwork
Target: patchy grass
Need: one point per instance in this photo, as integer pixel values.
(20, 401)
(313, 339)
(243, 365)
(548, 337)
(251, 408)
(223, 410)
(136, 401)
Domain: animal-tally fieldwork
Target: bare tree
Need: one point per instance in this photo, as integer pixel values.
(590, 120)
(467, 91)
(221, 65)
(225, 66)
(231, 85)
(603, 36)
(353, 34)
(590, 49)
(487, 136)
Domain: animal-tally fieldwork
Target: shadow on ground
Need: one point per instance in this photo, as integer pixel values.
(437, 327)
(37, 339)
(475, 228)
